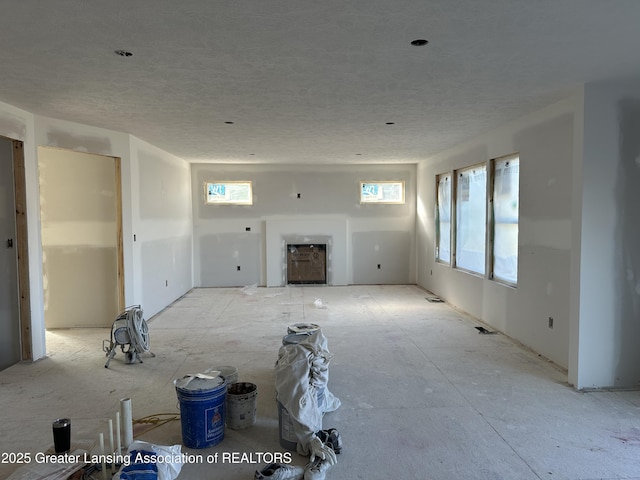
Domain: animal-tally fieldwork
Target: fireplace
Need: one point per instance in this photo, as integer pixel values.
(306, 263)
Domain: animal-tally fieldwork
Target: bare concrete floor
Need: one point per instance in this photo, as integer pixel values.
(424, 395)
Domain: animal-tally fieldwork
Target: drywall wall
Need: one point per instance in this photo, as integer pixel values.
(545, 142)
(162, 233)
(78, 214)
(42, 131)
(327, 208)
(609, 315)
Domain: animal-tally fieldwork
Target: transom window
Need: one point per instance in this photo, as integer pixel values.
(382, 192)
(228, 193)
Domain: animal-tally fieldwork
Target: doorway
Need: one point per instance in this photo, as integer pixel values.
(81, 223)
(15, 314)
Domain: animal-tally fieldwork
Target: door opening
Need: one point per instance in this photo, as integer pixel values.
(81, 238)
(15, 316)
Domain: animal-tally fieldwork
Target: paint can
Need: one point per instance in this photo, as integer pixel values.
(229, 373)
(294, 338)
(307, 328)
(241, 405)
(288, 438)
(287, 434)
(202, 410)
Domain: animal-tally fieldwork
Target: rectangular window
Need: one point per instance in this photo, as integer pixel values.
(228, 193)
(505, 203)
(381, 192)
(471, 217)
(443, 218)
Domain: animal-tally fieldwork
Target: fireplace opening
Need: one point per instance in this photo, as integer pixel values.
(307, 263)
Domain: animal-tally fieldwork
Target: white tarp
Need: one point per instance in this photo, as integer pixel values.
(302, 371)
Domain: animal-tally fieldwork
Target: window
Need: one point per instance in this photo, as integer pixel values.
(505, 208)
(443, 218)
(471, 217)
(228, 193)
(381, 192)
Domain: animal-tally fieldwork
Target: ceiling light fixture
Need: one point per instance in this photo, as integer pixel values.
(123, 53)
(419, 42)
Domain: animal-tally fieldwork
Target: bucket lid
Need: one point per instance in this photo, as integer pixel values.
(303, 328)
(294, 338)
(198, 382)
(226, 370)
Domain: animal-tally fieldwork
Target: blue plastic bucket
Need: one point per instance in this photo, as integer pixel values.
(202, 410)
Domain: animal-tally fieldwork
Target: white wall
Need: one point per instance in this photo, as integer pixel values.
(166, 241)
(155, 206)
(162, 225)
(546, 143)
(609, 315)
(361, 236)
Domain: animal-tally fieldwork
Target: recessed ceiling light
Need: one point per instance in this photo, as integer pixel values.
(419, 42)
(123, 53)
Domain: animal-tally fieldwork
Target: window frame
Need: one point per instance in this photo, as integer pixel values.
(454, 222)
(246, 202)
(490, 215)
(383, 202)
(492, 223)
(438, 225)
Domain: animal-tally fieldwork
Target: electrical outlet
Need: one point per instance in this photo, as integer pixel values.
(238, 268)
(550, 322)
(247, 229)
(378, 266)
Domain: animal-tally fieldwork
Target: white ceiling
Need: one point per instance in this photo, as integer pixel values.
(307, 81)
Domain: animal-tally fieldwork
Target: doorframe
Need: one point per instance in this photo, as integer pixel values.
(119, 235)
(22, 249)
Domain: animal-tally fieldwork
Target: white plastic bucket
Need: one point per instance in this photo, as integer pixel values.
(288, 438)
(229, 373)
(241, 405)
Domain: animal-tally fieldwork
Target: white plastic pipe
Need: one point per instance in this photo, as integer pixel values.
(127, 422)
(118, 441)
(111, 465)
(102, 457)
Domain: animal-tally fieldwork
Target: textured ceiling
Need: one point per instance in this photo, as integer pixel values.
(307, 81)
